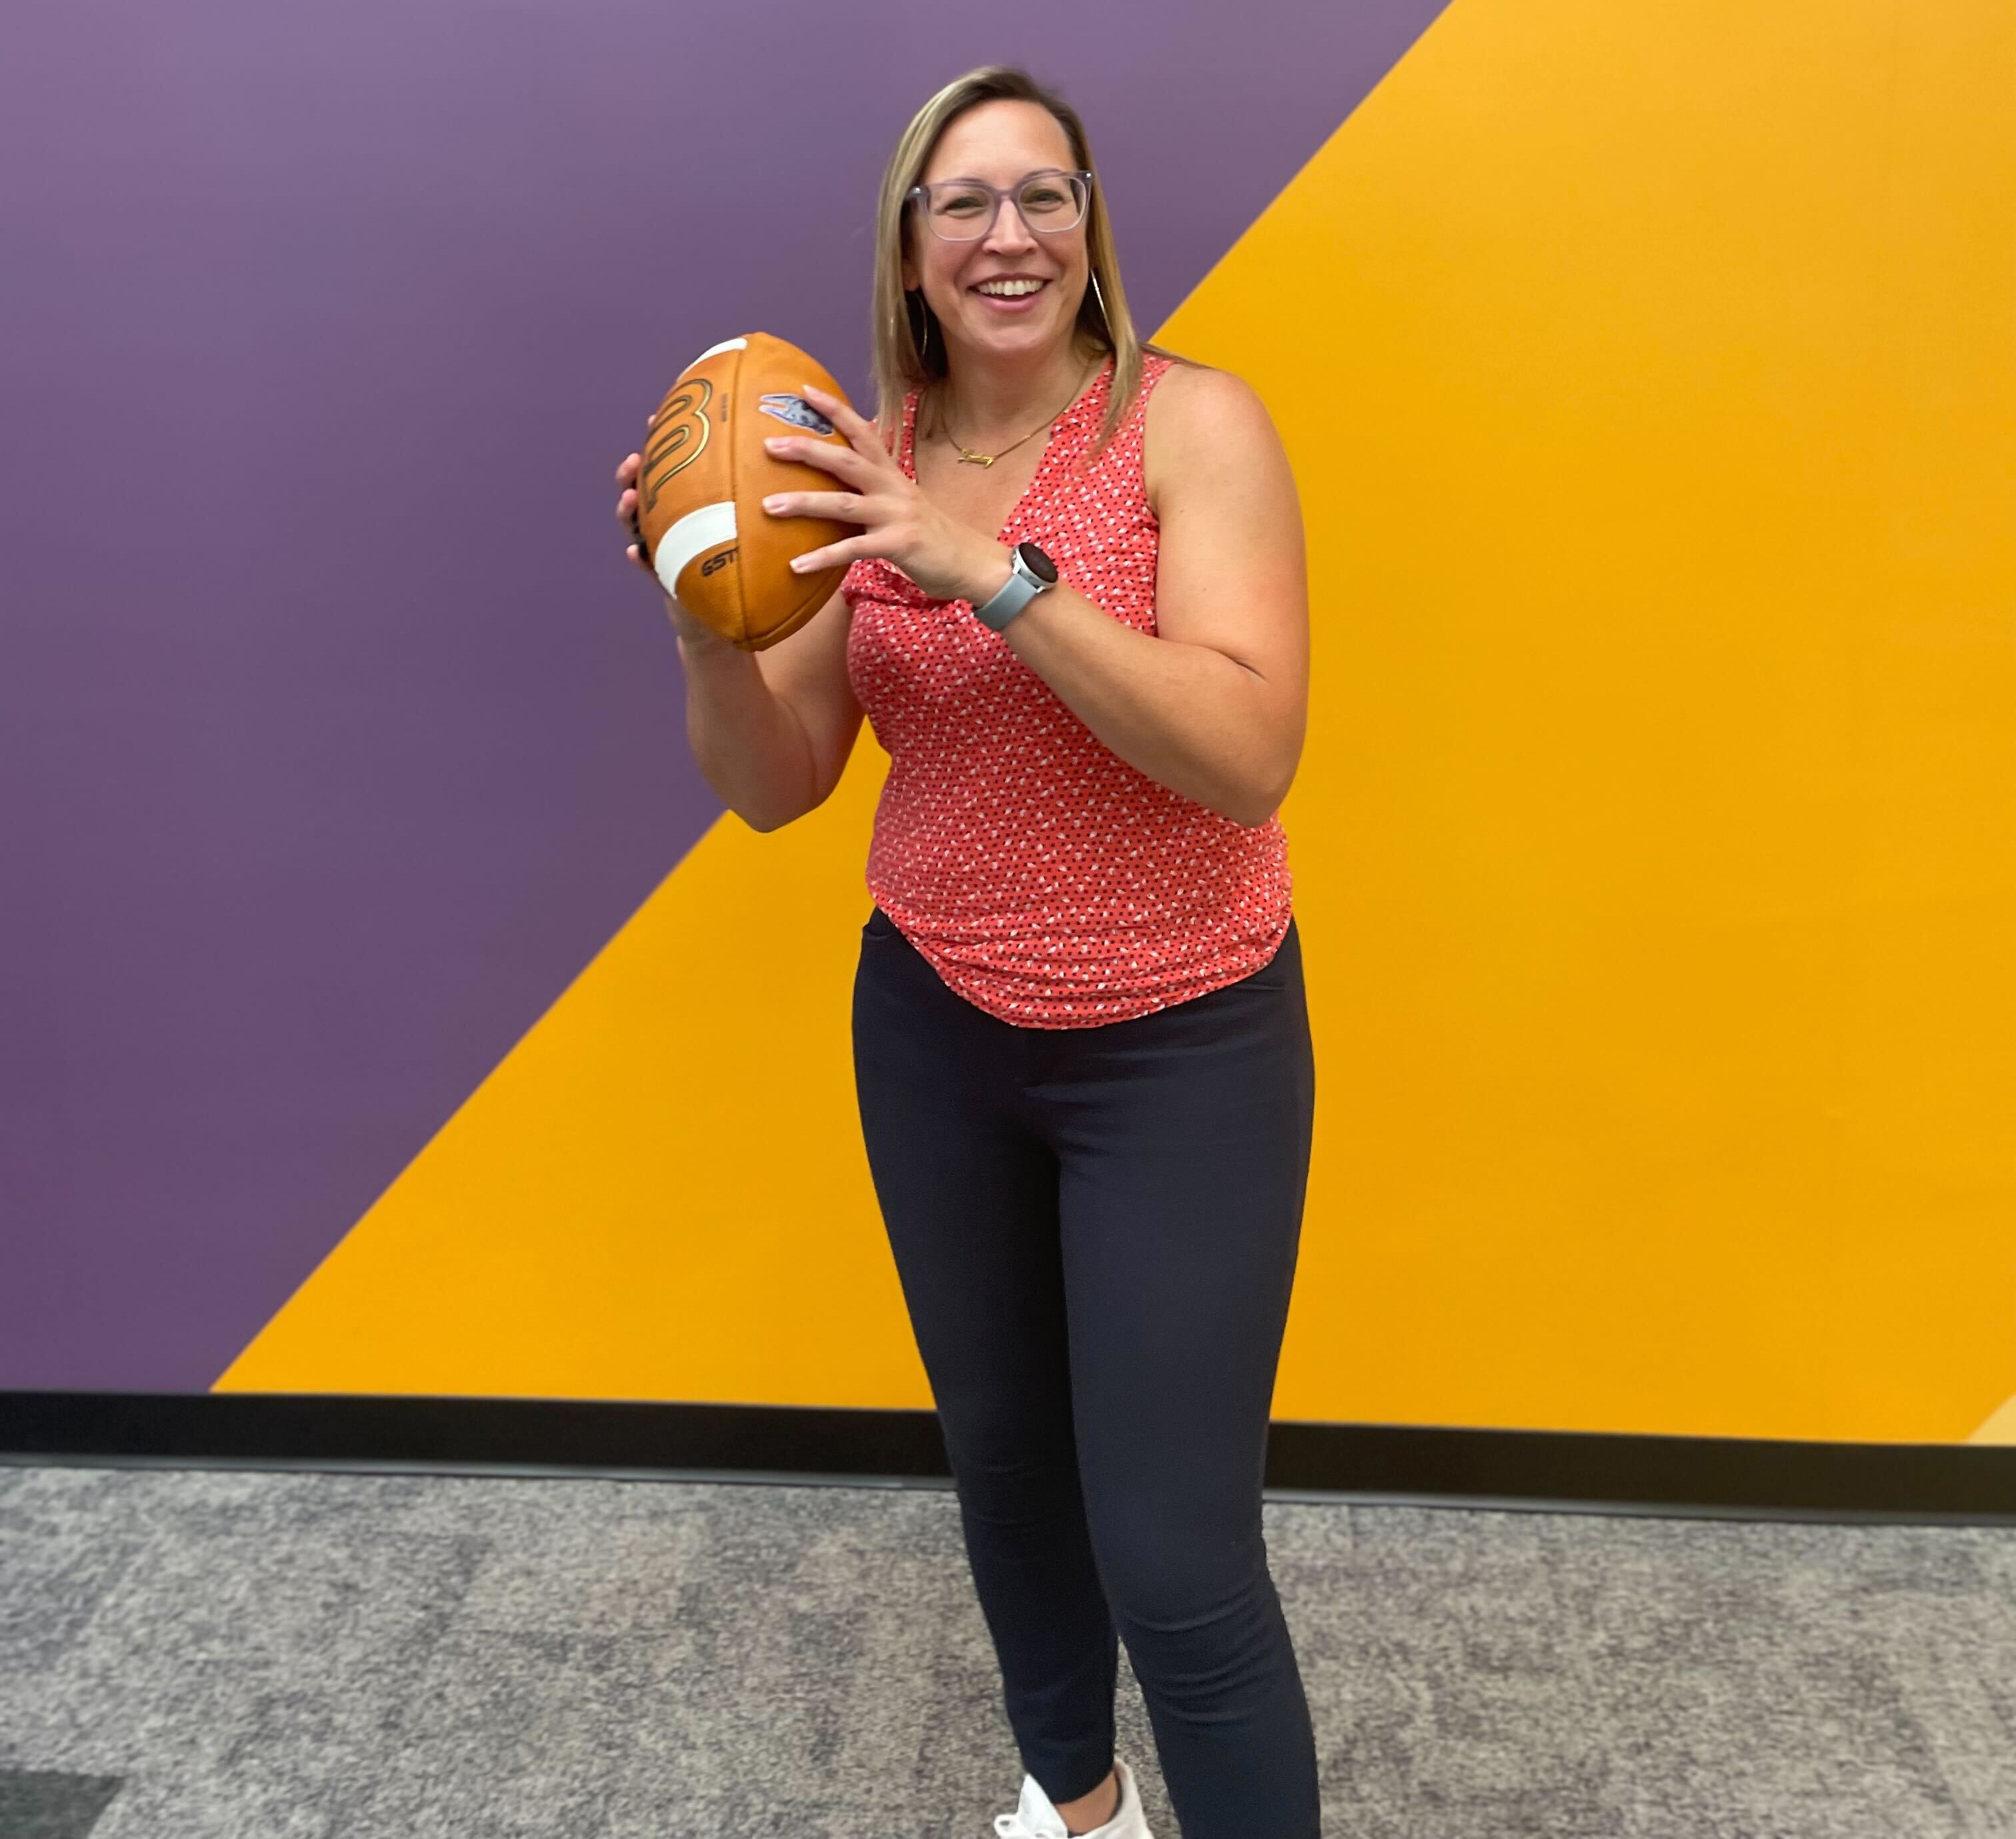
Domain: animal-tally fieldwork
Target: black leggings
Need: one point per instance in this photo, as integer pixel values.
(1095, 1230)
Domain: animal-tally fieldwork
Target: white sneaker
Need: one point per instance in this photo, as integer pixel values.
(1034, 1818)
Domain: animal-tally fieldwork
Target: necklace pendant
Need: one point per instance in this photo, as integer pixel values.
(968, 457)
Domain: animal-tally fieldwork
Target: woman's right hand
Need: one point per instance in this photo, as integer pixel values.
(683, 622)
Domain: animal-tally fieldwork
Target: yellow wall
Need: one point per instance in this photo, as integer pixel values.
(1650, 374)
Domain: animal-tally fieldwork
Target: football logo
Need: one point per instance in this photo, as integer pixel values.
(678, 438)
(797, 411)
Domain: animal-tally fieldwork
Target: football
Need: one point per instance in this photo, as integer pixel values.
(703, 476)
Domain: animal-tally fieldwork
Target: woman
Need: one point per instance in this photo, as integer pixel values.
(1076, 618)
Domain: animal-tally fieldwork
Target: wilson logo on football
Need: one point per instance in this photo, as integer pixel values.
(678, 438)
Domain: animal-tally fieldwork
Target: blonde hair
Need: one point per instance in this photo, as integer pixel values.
(906, 356)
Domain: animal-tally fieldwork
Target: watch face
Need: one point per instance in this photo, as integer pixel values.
(1037, 562)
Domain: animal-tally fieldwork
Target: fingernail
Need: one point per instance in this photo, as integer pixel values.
(798, 563)
(773, 442)
(773, 503)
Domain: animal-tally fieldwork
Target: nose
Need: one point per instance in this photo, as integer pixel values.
(1008, 230)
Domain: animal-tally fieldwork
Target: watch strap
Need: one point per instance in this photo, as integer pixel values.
(1022, 587)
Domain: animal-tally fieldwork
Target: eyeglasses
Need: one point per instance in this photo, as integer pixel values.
(964, 210)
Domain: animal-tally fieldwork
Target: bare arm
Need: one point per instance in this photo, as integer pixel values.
(1215, 705)
(771, 731)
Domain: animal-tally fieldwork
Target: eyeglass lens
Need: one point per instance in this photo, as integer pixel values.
(959, 209)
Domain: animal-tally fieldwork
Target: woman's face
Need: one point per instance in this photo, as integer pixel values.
(1002, 142)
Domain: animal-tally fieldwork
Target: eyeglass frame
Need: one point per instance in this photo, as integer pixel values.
(922, 192)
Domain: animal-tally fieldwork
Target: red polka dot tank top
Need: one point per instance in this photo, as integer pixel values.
(1044, 879)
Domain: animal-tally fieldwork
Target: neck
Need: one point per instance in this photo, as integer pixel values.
(990, 401)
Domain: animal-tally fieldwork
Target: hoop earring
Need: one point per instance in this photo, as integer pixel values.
(1105, 318)
(913, 300)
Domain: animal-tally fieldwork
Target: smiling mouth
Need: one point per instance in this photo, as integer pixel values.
(1018, 290)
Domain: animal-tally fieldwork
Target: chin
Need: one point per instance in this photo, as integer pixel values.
(1030, 334)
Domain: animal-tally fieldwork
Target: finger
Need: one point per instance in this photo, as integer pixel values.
(626, 474)
(842, 507)
(835, 555)
(626, 508)
(861, 432)
(836, 410)
(848, 464)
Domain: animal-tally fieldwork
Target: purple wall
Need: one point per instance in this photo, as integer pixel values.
(336, 735)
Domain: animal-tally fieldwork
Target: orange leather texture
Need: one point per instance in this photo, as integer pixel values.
(705, 448)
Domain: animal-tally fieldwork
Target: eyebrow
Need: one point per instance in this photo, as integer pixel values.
(971, 178)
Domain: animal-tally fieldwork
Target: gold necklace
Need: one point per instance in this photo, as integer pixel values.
(966, 455)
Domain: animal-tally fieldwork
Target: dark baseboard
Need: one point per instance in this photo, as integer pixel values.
(1559, 1471)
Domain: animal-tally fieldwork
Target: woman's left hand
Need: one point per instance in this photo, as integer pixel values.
(949, 560)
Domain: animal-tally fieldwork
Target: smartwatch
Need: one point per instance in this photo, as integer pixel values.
(1030, 573)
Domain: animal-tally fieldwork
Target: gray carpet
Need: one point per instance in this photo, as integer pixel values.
(258, 1655)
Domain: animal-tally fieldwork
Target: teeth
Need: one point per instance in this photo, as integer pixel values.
(1009, 289)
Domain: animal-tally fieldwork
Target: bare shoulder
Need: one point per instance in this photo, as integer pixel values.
(1189, 389)
(1201, 424)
